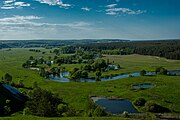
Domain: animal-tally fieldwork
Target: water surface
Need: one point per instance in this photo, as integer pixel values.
(115, 106)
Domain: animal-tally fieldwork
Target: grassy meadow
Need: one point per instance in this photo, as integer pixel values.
(166, 91)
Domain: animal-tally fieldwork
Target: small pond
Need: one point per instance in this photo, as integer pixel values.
(115, 106)
(143, 86)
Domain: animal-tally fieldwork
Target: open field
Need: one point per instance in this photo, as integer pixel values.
(166, 92)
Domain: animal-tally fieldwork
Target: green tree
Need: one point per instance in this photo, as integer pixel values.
(84, 74)
(143, 72)
(7, 77)
(42, 72)
(98, 74)
(43, 103)
(139, 102)
(107, 61)
(20, 83)
(99, 112)
(7, 108)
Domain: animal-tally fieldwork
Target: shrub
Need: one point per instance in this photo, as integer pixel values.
(139, 102)
(143, 72)
(99, 112)
(43, 103)
(125, 114)
(153, 107)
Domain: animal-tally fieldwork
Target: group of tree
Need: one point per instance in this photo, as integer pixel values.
(64, 50)
(76, 74)
(168, 48)
(46, 104)
(94, 110)
(7, 78)
(161, 71)
(34, 50)
(150, 106)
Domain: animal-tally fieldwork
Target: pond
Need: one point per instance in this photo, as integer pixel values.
(143, 86)
(62, 77)
(115, 106)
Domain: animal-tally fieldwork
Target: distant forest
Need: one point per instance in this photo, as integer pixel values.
(169, 49)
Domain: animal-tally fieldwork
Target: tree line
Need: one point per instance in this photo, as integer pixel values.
(169, 49)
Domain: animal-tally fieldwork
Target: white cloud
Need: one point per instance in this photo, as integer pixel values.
(7, 7)
(11, 4)
(8, 1)
(86, 9)
(116, 11)
(28, 22)
(111, 5)
(55, 2)
(21, 4)
(111, 13)
(33, 27)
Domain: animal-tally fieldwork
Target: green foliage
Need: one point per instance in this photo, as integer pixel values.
(7, 78)
(7, 108)
(84, 74)
(69, 113)
(98, 64)
(61, 108)
(139, 102)
(44, 73)
(93, 110)
(161, 71)
(76, 74)
(74, 93)
(98, 112)
(153, 107)
(26, 111)
(98, 74)
(43, 103)
(142, 72)
(125, 114)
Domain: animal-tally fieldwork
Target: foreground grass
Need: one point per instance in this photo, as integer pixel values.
(166, 92)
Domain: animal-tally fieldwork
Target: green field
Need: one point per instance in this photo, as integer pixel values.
(76, 93)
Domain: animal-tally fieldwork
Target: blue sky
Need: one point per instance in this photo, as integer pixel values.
(80, 19)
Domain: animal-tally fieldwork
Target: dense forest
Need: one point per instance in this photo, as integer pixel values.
(51, 43)
(169, 49)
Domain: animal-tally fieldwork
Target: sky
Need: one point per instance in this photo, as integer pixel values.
(89, 19)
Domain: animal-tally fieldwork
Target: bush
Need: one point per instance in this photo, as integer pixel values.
(125, 114)
(161, 71)
(153, 107)
(143, 72)
(43, 103)
(139, 102)
(99, 112)
(26, 111)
